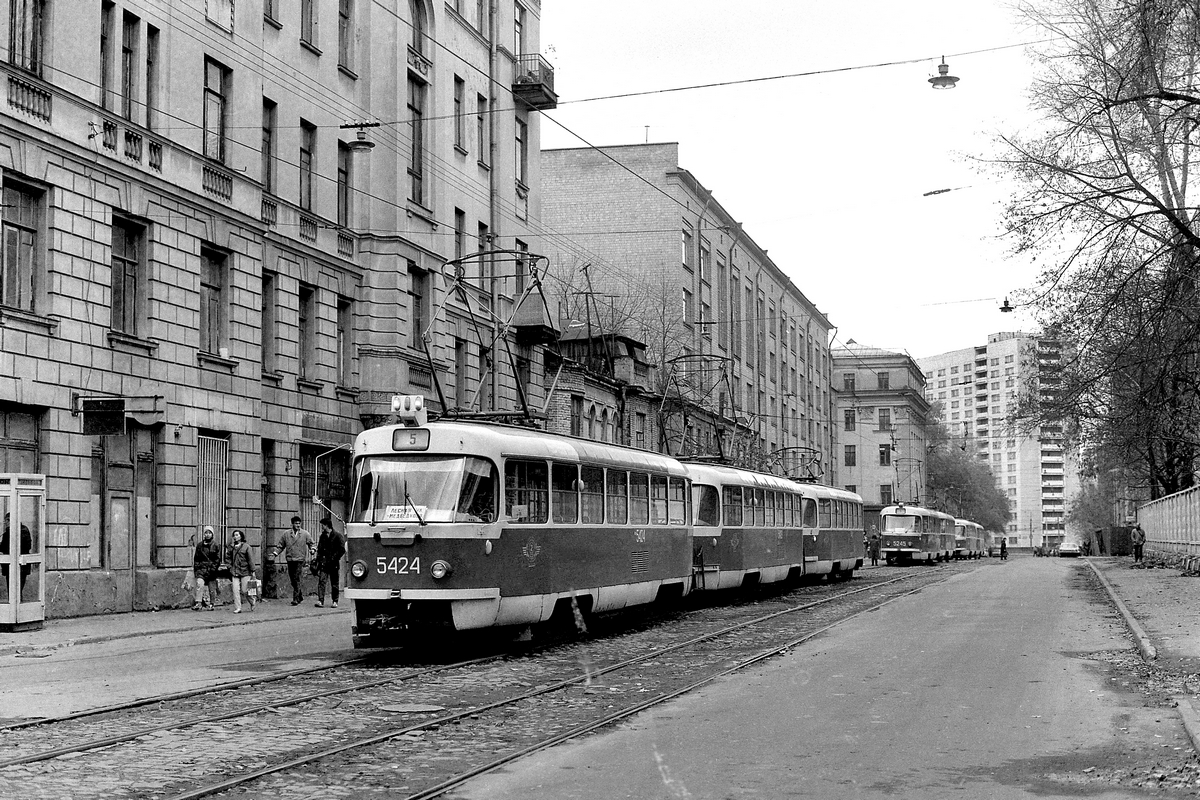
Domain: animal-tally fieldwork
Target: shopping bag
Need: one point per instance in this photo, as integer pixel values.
(252, 587)
(189, 580)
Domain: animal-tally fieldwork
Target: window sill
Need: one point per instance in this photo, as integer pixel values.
(312, 387)
(415, 209)
(346, 393)
(270, 376)
(274, 23)
(310, 47)
(485, 165)
(214, 360)
(124, 341)
(458, 148)
(27, 321)
(349, 73)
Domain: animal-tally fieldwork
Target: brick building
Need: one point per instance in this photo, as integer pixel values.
(742, 354)
(211, 281)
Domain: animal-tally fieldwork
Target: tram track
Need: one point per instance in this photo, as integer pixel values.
(479, 694)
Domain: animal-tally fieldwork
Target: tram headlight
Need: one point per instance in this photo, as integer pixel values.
(359, 569)
(439, 570)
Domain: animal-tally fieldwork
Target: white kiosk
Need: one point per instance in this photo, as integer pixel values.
(22, 543)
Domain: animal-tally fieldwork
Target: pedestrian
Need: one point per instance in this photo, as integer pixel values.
(204, 563)
(1138, 537)
(241, 565)
(1004, 549)
(26, 548)
(297, 546)
(330, 549)
(874, 546)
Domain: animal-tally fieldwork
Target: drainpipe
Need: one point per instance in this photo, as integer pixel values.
(493, 204)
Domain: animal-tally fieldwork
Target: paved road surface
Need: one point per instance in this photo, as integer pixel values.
(981, 687)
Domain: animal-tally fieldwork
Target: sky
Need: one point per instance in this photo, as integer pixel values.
(826, 172)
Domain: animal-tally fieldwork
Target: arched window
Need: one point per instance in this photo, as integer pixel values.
(591, 422)
(416, 10)
(604, 426)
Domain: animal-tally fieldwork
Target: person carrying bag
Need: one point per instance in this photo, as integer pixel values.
(241, 568)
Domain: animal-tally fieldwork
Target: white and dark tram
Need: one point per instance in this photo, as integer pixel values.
(970, 539)
(911, 533)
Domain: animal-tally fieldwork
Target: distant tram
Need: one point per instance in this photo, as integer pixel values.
(970, 539)
(912, 533)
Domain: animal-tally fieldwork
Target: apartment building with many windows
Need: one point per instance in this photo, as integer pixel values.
(977, 390)
(226, 228)
(742, 355)
(881, 415)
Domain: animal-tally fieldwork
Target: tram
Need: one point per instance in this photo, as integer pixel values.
(912, 533)
(839, 546)
(460, 526)
(749, 527)
(970, 539)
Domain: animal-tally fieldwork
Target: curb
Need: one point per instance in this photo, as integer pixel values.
(1191, 719)
(42, 650)
(1147, 648)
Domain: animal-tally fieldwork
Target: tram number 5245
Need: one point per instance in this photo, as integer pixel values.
(398, 565)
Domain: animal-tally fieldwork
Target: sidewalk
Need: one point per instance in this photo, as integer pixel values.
(59, 633)
(1163, 603)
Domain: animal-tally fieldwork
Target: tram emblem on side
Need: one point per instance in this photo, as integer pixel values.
(530, 551)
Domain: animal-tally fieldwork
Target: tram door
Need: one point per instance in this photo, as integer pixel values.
(22, 571)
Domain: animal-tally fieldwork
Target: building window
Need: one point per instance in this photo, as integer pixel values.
(346, 34)
(460, 126)
(851, 419)
(212, 308)
(460, 372)
(884, 379)
(481, 7)
(216, 97)
(127, 252)
(521, 152)
(306, 324)
(26, 34)
(419, 301)
(18, 441)
(518, 29)
(107, 11)
(343, 185)
(460, 234)
(885, 455)
(345, 341)
(481, 110)
(885, 419)
(685, 245)
(416, 161)
(270, 13)
(848, 382)
(576, 416)
(20, 218)
(308, 157)
(129, 33)
(851, 487)
(308, 22)
(885, 494)
(268, 146)
(151, 74)
(522, 267)
(416, 9)
(269, 317)
(851, 459)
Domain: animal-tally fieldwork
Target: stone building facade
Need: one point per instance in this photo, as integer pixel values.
(742, 354)
(211, 280)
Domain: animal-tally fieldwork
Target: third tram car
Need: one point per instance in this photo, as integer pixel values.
(912, 533)
(970, 540)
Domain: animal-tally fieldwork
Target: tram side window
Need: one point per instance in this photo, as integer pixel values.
(564, 493)
(789, 510)
(477, 497)
(760, 511)
(639, 498)
(677, 499)
(733, 506)
(658, 499)
(825, 512)
(592, 487)
(527, 491)
(769, 508)
(780, 513)
(810, 512)
(617, 485)
(707, 504)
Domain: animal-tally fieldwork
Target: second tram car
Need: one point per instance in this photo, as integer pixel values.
(970, 540)
(459, 526)
(912, 533)
(839, 546)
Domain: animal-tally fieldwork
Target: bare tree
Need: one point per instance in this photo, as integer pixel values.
(1104, 204)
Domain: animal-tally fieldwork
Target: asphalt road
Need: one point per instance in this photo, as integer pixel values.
(992, 685)
(78, 678)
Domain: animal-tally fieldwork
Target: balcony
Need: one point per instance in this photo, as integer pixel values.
(29, 98)
(533, 82)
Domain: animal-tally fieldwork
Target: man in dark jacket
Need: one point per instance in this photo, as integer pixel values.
(204, 563)
(330, 549)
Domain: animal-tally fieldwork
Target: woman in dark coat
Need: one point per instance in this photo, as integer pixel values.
(204, 563)
(241, 565)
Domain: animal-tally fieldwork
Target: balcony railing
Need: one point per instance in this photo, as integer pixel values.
(28, 98)
(133, 145)
(533, 82)
(345, 244)
(217, 182)
(155, 151)
(269, 212)
(308, 228)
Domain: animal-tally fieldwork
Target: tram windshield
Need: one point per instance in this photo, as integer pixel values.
(901, 522)
(425, 489)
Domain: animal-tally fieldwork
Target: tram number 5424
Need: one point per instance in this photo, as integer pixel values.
(398, 565)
